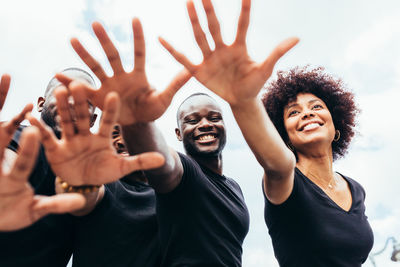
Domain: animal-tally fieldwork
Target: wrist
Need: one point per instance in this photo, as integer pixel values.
(64, 187)
(246, 106)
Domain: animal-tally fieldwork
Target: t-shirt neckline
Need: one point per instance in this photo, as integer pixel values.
(322, 192)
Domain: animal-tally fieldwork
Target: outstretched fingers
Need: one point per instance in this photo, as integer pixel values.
(4, 86)
(178, 56)
(213, 24)
(47, 137)
(64, 79)
(108, 47)
(92, 63)
(110, 114)
(179, 80)
(198, 32)
(12, 125)
(27, 154)
(243, 23)
(268, 65)
(143, 161)
(91, 93)
(64, 111)
(81, 107)
(139, 45)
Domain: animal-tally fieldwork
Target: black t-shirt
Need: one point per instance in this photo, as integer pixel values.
(121, 231)
(203, 221)
(310, 229)
(46, 243)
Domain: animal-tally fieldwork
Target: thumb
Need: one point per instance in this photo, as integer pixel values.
(57, 204)
(177, 82)
(281, 49)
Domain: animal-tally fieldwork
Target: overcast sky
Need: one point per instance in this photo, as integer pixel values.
(358, 41)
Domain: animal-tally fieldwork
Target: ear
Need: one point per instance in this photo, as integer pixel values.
(40, 103)
(178, 134)
(92, 121)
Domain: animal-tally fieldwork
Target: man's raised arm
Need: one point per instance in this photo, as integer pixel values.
(141, 104)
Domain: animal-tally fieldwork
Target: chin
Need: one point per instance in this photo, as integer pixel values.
(315, 142)
(203, 151)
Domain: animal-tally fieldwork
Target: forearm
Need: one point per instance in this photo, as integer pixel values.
(263, 139)
(145, 137)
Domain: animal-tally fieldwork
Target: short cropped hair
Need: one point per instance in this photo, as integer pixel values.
(54, 82)
(187, 98)
(338, 99)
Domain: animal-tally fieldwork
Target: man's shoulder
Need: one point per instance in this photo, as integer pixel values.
(188, 163)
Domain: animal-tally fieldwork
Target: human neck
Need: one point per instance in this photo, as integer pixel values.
(317, 168)
(213, 163)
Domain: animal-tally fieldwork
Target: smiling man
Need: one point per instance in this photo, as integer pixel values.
(201, 127)
(202, 216)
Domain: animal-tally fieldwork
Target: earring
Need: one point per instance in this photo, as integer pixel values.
(337, 136)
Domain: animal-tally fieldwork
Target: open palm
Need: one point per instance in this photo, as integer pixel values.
(19, 206)
(228, 70)
(81, 157)
(139, 101)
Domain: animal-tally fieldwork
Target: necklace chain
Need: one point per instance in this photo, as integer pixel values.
(330, 186)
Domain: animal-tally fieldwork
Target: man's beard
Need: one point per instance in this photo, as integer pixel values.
(193, 150)
(49, 119)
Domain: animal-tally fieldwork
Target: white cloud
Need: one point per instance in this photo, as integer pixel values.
(35, 45)
(368, 45)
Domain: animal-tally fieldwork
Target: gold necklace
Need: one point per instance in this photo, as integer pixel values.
(330, 186)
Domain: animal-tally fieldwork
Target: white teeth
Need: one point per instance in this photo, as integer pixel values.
(206, 137)
(311, 126)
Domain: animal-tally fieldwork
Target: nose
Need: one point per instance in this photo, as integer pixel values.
(308, 114)
(205, 125)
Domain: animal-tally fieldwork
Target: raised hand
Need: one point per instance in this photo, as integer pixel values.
(228, 70)
(81, 157)
(140, 102)
(8, 128)
(19, 207)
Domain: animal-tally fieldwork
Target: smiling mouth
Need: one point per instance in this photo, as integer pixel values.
(310, 126)
(206, 138)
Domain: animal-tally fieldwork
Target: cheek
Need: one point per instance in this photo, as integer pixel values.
(186, 131)
(329, 122)
(289, 125)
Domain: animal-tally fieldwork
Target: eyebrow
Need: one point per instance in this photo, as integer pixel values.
(211, 112)
(295, 104)
(190, 114)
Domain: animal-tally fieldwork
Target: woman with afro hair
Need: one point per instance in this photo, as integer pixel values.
(315, 216)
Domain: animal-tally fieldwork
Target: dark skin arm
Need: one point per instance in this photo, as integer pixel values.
(229, 72)
(148, 138)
